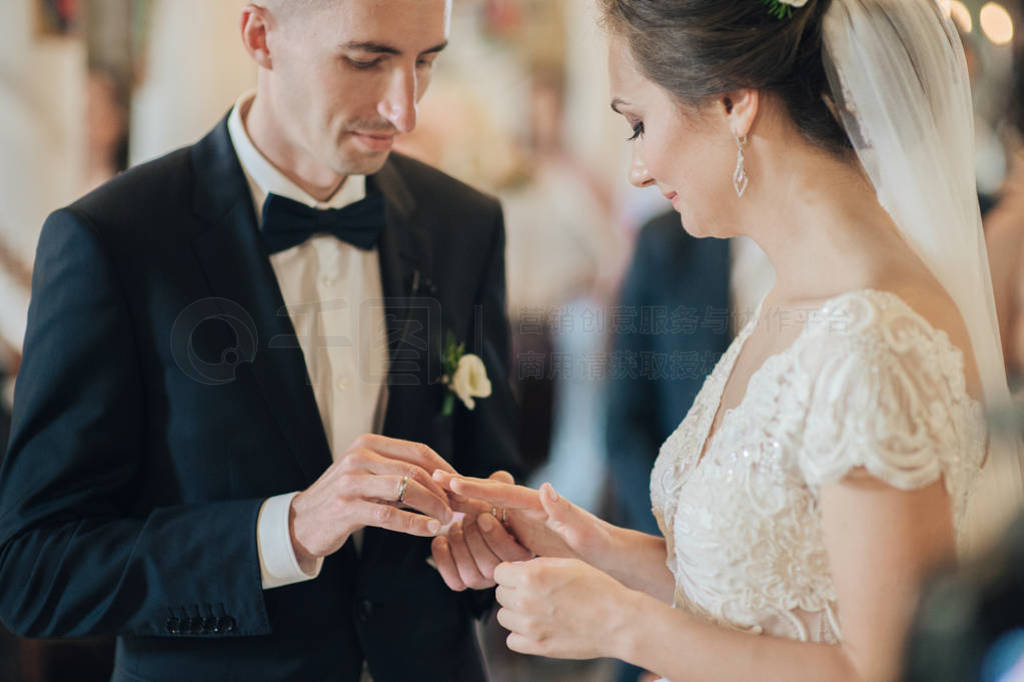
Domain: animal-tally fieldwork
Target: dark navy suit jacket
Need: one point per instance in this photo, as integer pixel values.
(163, 396)
(677, 297)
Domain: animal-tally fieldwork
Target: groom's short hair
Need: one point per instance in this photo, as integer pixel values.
(285, 8)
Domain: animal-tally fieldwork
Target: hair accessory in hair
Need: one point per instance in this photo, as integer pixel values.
(783, 9)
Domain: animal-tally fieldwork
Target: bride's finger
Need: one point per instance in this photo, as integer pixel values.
(468, 506)
(513, 621)
(497, 493)
(562, 513)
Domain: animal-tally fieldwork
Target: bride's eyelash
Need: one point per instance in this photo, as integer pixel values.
(638, 132)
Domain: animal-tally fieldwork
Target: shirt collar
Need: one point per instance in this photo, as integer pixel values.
(264, 178)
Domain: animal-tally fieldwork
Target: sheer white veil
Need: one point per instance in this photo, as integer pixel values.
(899, 78)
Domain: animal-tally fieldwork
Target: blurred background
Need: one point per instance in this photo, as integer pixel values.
(617, 315)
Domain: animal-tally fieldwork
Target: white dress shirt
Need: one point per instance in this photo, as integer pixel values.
(332, 291)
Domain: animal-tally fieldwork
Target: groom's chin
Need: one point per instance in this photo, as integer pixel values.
(363, 164)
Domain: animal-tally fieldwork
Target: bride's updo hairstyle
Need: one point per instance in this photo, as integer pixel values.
(697, 49)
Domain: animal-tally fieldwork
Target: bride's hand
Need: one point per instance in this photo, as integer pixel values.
(542, 521)
(563, 608)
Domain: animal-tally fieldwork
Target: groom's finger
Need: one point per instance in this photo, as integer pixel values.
(404, 450)
(368, 460)
(391, 518)
(502, 477)
(468, 571)
(389, 489)
(486, 561)
(442, 553)
(499, 540)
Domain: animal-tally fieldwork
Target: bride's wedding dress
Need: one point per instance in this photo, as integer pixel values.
(869, 384)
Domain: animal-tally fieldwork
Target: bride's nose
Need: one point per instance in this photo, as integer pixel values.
(638, 174)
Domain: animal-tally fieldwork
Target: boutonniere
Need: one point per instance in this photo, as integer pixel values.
(783, 9)
(464, 375)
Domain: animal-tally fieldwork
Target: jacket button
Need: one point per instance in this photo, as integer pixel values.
(195, 626)
(364, 610)
(209, 625)
(226, 624)
(172, 626)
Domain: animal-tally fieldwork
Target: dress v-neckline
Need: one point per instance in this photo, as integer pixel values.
(734, 353)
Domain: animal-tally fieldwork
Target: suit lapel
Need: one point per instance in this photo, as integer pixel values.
(412, 311)
(239, 273)
(410, 303)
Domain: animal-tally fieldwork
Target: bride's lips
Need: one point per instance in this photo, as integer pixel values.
(375, 143)
(673, 197)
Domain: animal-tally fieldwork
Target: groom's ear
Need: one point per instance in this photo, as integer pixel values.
(740, 108)
(254, 25)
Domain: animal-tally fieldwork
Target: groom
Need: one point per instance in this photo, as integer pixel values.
(209, 337)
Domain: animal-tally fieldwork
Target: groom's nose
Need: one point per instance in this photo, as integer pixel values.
(398, 105)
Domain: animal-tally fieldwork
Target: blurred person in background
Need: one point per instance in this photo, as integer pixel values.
(107, 116)
(1004, 230)
(565, 256)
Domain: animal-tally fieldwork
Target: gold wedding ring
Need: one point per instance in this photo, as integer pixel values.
(401, 489)
(504, 515)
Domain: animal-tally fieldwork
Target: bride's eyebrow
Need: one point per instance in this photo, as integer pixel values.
(617, 103)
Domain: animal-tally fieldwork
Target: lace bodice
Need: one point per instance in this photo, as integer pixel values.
(868, 383)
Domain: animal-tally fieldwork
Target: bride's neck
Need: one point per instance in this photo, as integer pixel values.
(818, 220)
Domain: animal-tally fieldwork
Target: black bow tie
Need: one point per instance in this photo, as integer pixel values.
(287, 223)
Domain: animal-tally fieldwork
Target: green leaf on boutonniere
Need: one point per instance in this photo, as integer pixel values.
(448, 406)
(450, 356)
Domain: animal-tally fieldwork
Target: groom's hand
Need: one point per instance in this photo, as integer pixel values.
(476, 545)
(364, 487)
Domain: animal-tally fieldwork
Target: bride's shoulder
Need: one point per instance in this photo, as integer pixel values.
(913, 319)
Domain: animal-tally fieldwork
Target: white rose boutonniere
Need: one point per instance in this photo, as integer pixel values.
(783, 9)
(465, 376)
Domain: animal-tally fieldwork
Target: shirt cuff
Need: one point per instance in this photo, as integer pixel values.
(278, 565)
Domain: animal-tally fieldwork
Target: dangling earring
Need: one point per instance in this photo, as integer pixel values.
(740, 179)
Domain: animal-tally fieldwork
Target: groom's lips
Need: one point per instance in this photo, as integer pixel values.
(672, 198)
(375, 143)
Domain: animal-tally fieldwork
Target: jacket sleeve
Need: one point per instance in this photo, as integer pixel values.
(75, 560)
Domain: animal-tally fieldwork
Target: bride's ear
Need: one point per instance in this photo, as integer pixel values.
(740, 108)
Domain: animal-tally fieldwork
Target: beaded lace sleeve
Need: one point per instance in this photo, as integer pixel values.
(887, 393)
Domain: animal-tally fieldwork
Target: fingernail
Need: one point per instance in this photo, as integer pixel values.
(438, 475)
(434, 526)
(485, 522)
(551, 490)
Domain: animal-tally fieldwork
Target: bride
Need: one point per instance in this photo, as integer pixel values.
(824, 468)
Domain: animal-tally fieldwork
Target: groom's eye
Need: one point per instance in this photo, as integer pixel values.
(638, 131)
(362, 65)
